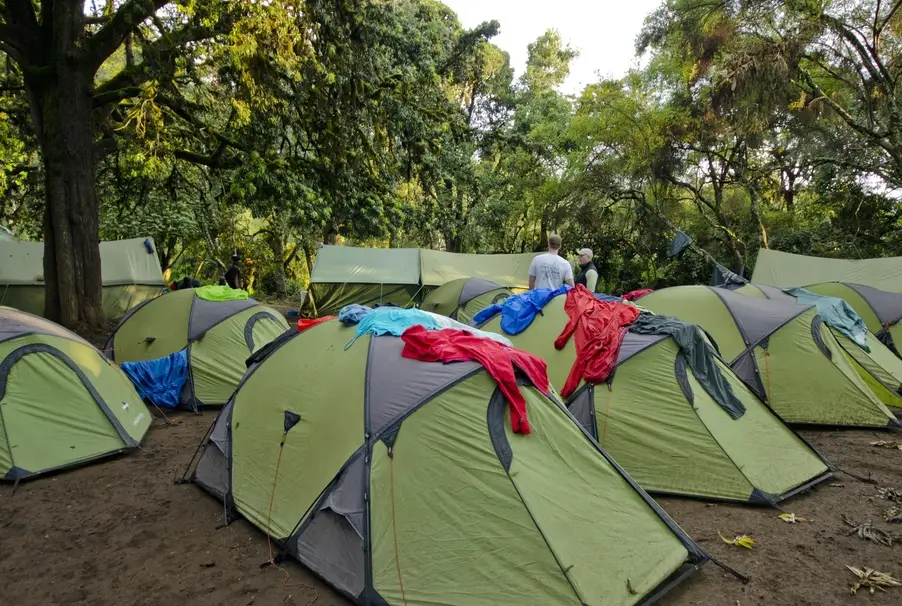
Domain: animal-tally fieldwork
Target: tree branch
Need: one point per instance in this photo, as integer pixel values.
(292, 256)
(126, 19)
(888, 17)
(114, 96)
(875, 136)
(212, 160)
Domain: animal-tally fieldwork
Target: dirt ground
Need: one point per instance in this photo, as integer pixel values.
(121, 531)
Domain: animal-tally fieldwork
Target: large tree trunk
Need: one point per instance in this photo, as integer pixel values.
(72, 275)
(276, 241)
(61, 102)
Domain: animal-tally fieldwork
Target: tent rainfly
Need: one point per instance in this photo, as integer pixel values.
(463, 298)
(218, 336)
(347, 274)
(62, 403)
(783, 351)
(346, 456)
(130, 271)
(880, 369)
(438, 267)
(402, 276)
(668, 433)
(786, 270)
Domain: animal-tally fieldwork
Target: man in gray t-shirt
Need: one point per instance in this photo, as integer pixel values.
(550, 270)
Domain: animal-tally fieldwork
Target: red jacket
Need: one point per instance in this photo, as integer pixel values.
(449, 345)
(304, 324)
(599, 328)
(635, 294)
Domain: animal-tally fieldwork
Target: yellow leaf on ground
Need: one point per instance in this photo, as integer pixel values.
(740, 541)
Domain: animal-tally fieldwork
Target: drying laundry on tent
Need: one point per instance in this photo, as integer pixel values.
(673, 426)
(461, 299)
(783, 351)
(346, 456)
(878, 367)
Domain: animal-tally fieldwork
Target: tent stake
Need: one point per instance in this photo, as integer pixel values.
(726, 568)
(867, 480)
(165, 418)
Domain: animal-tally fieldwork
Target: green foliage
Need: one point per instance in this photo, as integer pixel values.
(268, 128)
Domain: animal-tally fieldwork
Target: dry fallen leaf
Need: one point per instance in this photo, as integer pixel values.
(873, 580)
(890, 494)
(837, 485)
(868, 532)
(888, 444)
(791, 518)
(740, 541)
(893, 515)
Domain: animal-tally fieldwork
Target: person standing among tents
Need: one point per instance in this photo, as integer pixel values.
(550, 270)
(233, 274)
(588, 273)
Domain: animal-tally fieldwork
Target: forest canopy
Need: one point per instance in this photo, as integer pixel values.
(272, 127)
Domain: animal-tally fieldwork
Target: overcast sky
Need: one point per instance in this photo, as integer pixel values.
(604, 31)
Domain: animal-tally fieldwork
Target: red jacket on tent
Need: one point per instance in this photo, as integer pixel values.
(635, 294)
(304, 324)
(450, 345)
(598, 329)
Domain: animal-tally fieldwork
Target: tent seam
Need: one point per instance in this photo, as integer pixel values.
(711, 435)
(691, 547)
(498, 400)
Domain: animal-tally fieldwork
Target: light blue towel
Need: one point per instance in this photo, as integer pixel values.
(836, 313)
(393, 321)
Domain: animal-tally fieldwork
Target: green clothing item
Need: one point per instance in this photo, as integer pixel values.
(221, 293)
(697, 354)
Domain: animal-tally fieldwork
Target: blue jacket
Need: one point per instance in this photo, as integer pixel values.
(518, 311)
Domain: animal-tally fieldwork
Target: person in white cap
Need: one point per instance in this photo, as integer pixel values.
(588, 274)
(550, 270)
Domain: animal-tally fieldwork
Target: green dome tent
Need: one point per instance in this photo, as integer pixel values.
(400, 482)
(880, 310)
(219, 337)
(657, 421)
(463, 298)
(784, 353)
(62, 403)
(880, 369)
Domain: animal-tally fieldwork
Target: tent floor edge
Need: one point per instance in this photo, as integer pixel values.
(829, 475)
(681, 574)
(29, 475)
(370, 597)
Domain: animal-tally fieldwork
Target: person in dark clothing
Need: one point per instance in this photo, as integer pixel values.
(588, 274)
(233, 274)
